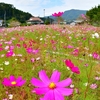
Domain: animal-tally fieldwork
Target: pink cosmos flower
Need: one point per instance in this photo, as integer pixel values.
(75, 52)
(57, 14)
(1, 30)
(29, 50)
(97, 78)
(22, 38)
(51, 88)
(18, 45)
(11, 48)
(0, 44)
(12, 81)
(13, 38)
(95, 55)
(72, 67)
(93, 86)
(83, 16)
(1, 48)
(69, 46)
(86, 65)
(25, 45)
(53, 42)
(84, 38)
(9, 42)
(35, 51)
(32, 59)
(9, 54)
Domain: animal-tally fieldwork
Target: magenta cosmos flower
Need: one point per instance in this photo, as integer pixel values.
(57, 14)
(72, 67)
(12, 81)
(9, 54)
(51, 88)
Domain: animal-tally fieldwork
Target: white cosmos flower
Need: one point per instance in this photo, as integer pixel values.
(1, 68)
(70, 37)
(16, 59)
(10, 96)
(41, 39)
(86, 83)
(6, 62)
(71, 86)
(90, 55)
(38, 58)
(95, 35)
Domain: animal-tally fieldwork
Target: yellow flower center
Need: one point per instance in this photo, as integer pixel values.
(52, 85)
(13, 83)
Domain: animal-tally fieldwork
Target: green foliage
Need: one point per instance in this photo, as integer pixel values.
(13, 22)
(47, 21)
(10, 11)
(94, 15)
(52, 42)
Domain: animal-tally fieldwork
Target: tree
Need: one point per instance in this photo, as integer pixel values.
(94, 15)
(13, 22)
(47, 21)
(11, 12)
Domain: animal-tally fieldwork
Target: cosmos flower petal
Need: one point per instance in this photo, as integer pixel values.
(41, 99)
(49, 95)
(55, 76)
(19, 79)
(21, 83)
(44, 77)
(65, 91)
(64, 83)
(12, 78)
(6, 82)
(69, 63)
(41, 90)
(58, 95)
(37, 83)
(75, 70)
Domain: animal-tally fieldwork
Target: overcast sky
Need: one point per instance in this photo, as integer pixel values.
(36, 7)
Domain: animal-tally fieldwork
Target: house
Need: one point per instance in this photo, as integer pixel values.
(62, 22)
(35, 20)
(77, 22)
(1, 23)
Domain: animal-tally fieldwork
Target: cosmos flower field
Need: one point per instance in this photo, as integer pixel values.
(50, 62)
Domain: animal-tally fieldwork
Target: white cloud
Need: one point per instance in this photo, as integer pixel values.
(31, 6)
(81, 4)
(73, 4)
(36, 7)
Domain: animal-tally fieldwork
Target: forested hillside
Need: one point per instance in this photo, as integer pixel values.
(9, 11)
(94, 15)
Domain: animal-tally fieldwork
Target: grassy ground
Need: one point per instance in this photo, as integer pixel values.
(55, 44)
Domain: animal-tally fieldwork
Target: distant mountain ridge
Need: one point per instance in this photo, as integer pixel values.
(72, 14)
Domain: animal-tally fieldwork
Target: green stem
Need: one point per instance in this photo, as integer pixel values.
(85, 94)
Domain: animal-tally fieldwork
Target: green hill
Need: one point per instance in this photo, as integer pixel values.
(9, 11)
(72, 14)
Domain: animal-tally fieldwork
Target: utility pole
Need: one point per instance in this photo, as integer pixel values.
(5, 19)
(44, 12)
